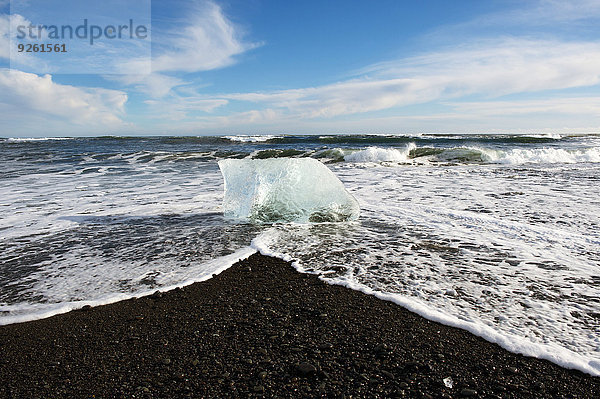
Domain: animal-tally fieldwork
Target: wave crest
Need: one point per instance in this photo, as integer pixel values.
(548, 155)
(378, 154)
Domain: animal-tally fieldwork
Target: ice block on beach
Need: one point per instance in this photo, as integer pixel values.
(285, 190)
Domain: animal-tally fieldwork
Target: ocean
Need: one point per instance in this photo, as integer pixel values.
(495, 234)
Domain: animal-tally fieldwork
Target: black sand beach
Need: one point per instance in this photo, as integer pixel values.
(261, 329)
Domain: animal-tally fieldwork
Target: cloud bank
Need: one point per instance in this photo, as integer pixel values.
(488, 69)
(28, 93)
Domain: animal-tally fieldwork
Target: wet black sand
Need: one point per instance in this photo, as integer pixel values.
(262, 329)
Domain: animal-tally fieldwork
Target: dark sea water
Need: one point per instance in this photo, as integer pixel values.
(497, 234)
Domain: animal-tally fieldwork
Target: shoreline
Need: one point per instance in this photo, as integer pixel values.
(260, 328)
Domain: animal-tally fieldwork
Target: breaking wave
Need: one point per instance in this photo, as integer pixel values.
(376, 154)
(516, 156)
(251, 139)
(546, 155)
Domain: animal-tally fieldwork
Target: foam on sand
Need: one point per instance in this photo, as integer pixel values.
(471, 247)
(285, 190)
(177, 278)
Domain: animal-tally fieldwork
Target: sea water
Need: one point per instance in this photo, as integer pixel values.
(496, 234)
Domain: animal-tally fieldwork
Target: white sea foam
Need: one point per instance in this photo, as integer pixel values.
(470, 247)
(553, 136)
(252, 139)
(509, 341)
(24, 139)
(519, 156)
(99, 285)
(507, 252)
(516, 156)
(377, 154)
(43, 203)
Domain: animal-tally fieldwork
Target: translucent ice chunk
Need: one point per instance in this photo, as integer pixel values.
(285, 190)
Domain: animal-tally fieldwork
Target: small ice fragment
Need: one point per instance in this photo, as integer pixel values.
(448, 382)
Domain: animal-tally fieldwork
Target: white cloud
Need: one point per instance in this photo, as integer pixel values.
(504, 67)
(4, 36)
(28, 100)
(476, 70)
(488, 69)
(6, 21)
(154, 84)
(29, 93)
(178, 108)
(205, 40)
(570, 115)
(580, 9)
(545, 12)
(10, 23)
(476, 73)
(208, 40)
(566, 105)
(537, 18)
(349, 97)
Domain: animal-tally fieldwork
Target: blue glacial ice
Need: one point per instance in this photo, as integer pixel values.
(285, 190)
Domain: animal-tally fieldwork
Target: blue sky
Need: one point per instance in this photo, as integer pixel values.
(314, 67)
